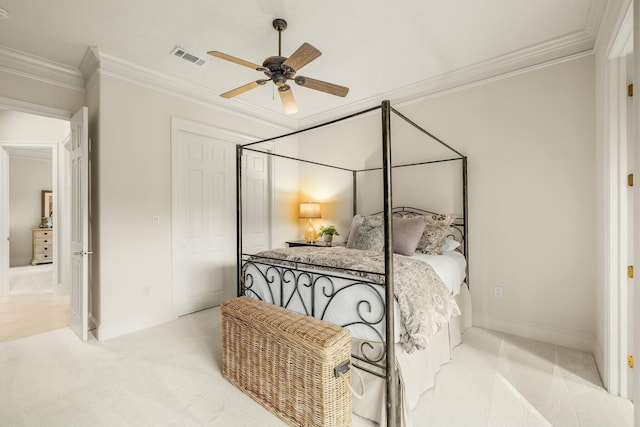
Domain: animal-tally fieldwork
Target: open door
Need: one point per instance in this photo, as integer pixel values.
(80, 224)
(4, 223)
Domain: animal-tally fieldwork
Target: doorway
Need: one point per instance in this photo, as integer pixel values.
(621, 214)
(34, 293)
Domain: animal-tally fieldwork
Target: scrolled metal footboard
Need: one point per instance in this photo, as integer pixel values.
(345, 300)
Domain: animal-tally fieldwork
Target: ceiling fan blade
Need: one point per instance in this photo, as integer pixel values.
(301, 57)
(326, 87)
(242, 89)
(288, 101)
(236, 60)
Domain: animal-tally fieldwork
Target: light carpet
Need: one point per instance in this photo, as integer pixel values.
(31, 279)
(170, 376)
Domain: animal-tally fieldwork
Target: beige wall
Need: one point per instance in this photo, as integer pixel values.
(132, 153)
(530, 143)
(27, 179)
(38, 92)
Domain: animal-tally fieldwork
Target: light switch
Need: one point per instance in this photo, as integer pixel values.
(156, 220)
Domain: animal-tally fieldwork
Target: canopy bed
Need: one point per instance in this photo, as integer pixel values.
(399, 284)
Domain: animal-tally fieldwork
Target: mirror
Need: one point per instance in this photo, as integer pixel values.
(47, 206)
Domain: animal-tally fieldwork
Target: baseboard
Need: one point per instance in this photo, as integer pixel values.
(550, 334)
(598, 354)
(19, 262)
(108, 330)
(93, 326)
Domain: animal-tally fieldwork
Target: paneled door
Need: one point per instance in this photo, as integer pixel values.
(204, 207)
(256, 215)
(80, 224)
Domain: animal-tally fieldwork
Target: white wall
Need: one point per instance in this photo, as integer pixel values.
(530, 144)
(29, 129)
(27, 178)
(132, 183)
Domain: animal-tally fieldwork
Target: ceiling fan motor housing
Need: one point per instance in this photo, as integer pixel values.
(279, 69)
(276, 71)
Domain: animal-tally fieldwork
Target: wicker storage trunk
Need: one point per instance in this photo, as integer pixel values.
(287, 362)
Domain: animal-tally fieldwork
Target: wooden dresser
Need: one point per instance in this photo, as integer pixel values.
(42, 245)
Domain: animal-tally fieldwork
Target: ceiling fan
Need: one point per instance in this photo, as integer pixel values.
(280, 69)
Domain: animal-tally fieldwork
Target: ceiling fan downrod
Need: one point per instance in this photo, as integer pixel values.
(280, 25)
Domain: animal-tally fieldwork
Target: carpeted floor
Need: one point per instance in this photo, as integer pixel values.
(170, 376)
(31, 279)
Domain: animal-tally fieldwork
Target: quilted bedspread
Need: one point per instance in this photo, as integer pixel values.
(425, 303)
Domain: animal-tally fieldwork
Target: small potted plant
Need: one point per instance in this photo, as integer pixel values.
(327, 233)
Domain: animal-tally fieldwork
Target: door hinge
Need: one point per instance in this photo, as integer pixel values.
(630, 272)
(630, 90)
(630, 361)
(630, 180)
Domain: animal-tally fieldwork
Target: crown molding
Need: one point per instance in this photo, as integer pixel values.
(98, 61)
(22, 63)
(90, 65)
(115, 66)
(542, 55)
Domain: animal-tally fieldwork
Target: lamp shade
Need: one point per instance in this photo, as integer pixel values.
(310, 210)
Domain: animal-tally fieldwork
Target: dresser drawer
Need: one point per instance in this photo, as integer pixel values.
(42, 251)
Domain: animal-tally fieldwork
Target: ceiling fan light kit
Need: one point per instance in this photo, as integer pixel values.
(280, 69)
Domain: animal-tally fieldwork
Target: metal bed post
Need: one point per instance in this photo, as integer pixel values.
(390, 377)
(240, 290)
(465, 213)
(355, 193)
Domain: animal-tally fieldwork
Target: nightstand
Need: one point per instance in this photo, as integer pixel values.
(293, 243)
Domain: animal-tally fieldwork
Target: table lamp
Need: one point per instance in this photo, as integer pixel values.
(310, 210)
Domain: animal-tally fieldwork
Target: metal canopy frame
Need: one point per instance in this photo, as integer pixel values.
(390, 376)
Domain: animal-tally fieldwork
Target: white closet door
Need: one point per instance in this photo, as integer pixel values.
(256, 202)
(204, 221)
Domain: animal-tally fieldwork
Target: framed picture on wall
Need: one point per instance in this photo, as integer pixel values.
(47, 203)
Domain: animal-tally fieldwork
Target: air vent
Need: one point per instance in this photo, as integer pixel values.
(181, 53)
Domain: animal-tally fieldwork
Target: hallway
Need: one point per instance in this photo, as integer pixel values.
(31, 307)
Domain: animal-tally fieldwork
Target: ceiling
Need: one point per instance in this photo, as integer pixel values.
(29, 152)
(378, 48)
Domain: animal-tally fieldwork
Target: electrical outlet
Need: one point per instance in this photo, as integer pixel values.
(146, 290)
(497, 291)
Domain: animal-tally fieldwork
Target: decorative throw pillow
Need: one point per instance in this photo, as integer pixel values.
(436, 229)
(356, 222)
(369, 236)
(449, 244)
(407, 232)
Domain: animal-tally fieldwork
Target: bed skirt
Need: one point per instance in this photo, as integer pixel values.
(416, 371)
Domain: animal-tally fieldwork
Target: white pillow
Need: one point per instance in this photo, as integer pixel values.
(449, 244)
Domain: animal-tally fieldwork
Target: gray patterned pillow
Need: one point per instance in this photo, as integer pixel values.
(369, 236)
(355, 226)
(437, 228)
